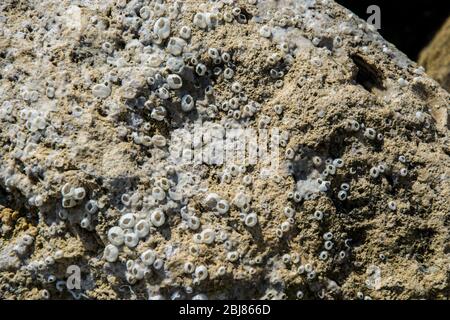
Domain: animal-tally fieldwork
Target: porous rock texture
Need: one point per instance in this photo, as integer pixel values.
(90, 103)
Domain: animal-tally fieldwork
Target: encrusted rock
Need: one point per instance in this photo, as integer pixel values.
(115, 118)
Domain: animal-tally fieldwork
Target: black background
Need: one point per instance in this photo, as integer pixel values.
(409, 25)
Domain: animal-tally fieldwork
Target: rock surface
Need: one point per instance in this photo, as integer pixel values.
(436, 56)
(355, 205)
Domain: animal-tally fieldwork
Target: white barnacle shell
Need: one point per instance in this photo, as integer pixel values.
(162, 28)
(101, 91)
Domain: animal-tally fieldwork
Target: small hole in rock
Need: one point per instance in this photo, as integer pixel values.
(367, 75)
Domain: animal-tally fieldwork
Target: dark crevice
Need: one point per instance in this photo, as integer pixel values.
(245, 12)
(326, 42)
(367, 75)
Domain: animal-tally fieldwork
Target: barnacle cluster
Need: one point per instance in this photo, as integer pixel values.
(101, 103)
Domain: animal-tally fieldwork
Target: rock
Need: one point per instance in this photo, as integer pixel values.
(436, 56)
(300, 155)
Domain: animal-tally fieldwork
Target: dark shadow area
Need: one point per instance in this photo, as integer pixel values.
(367, 76)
